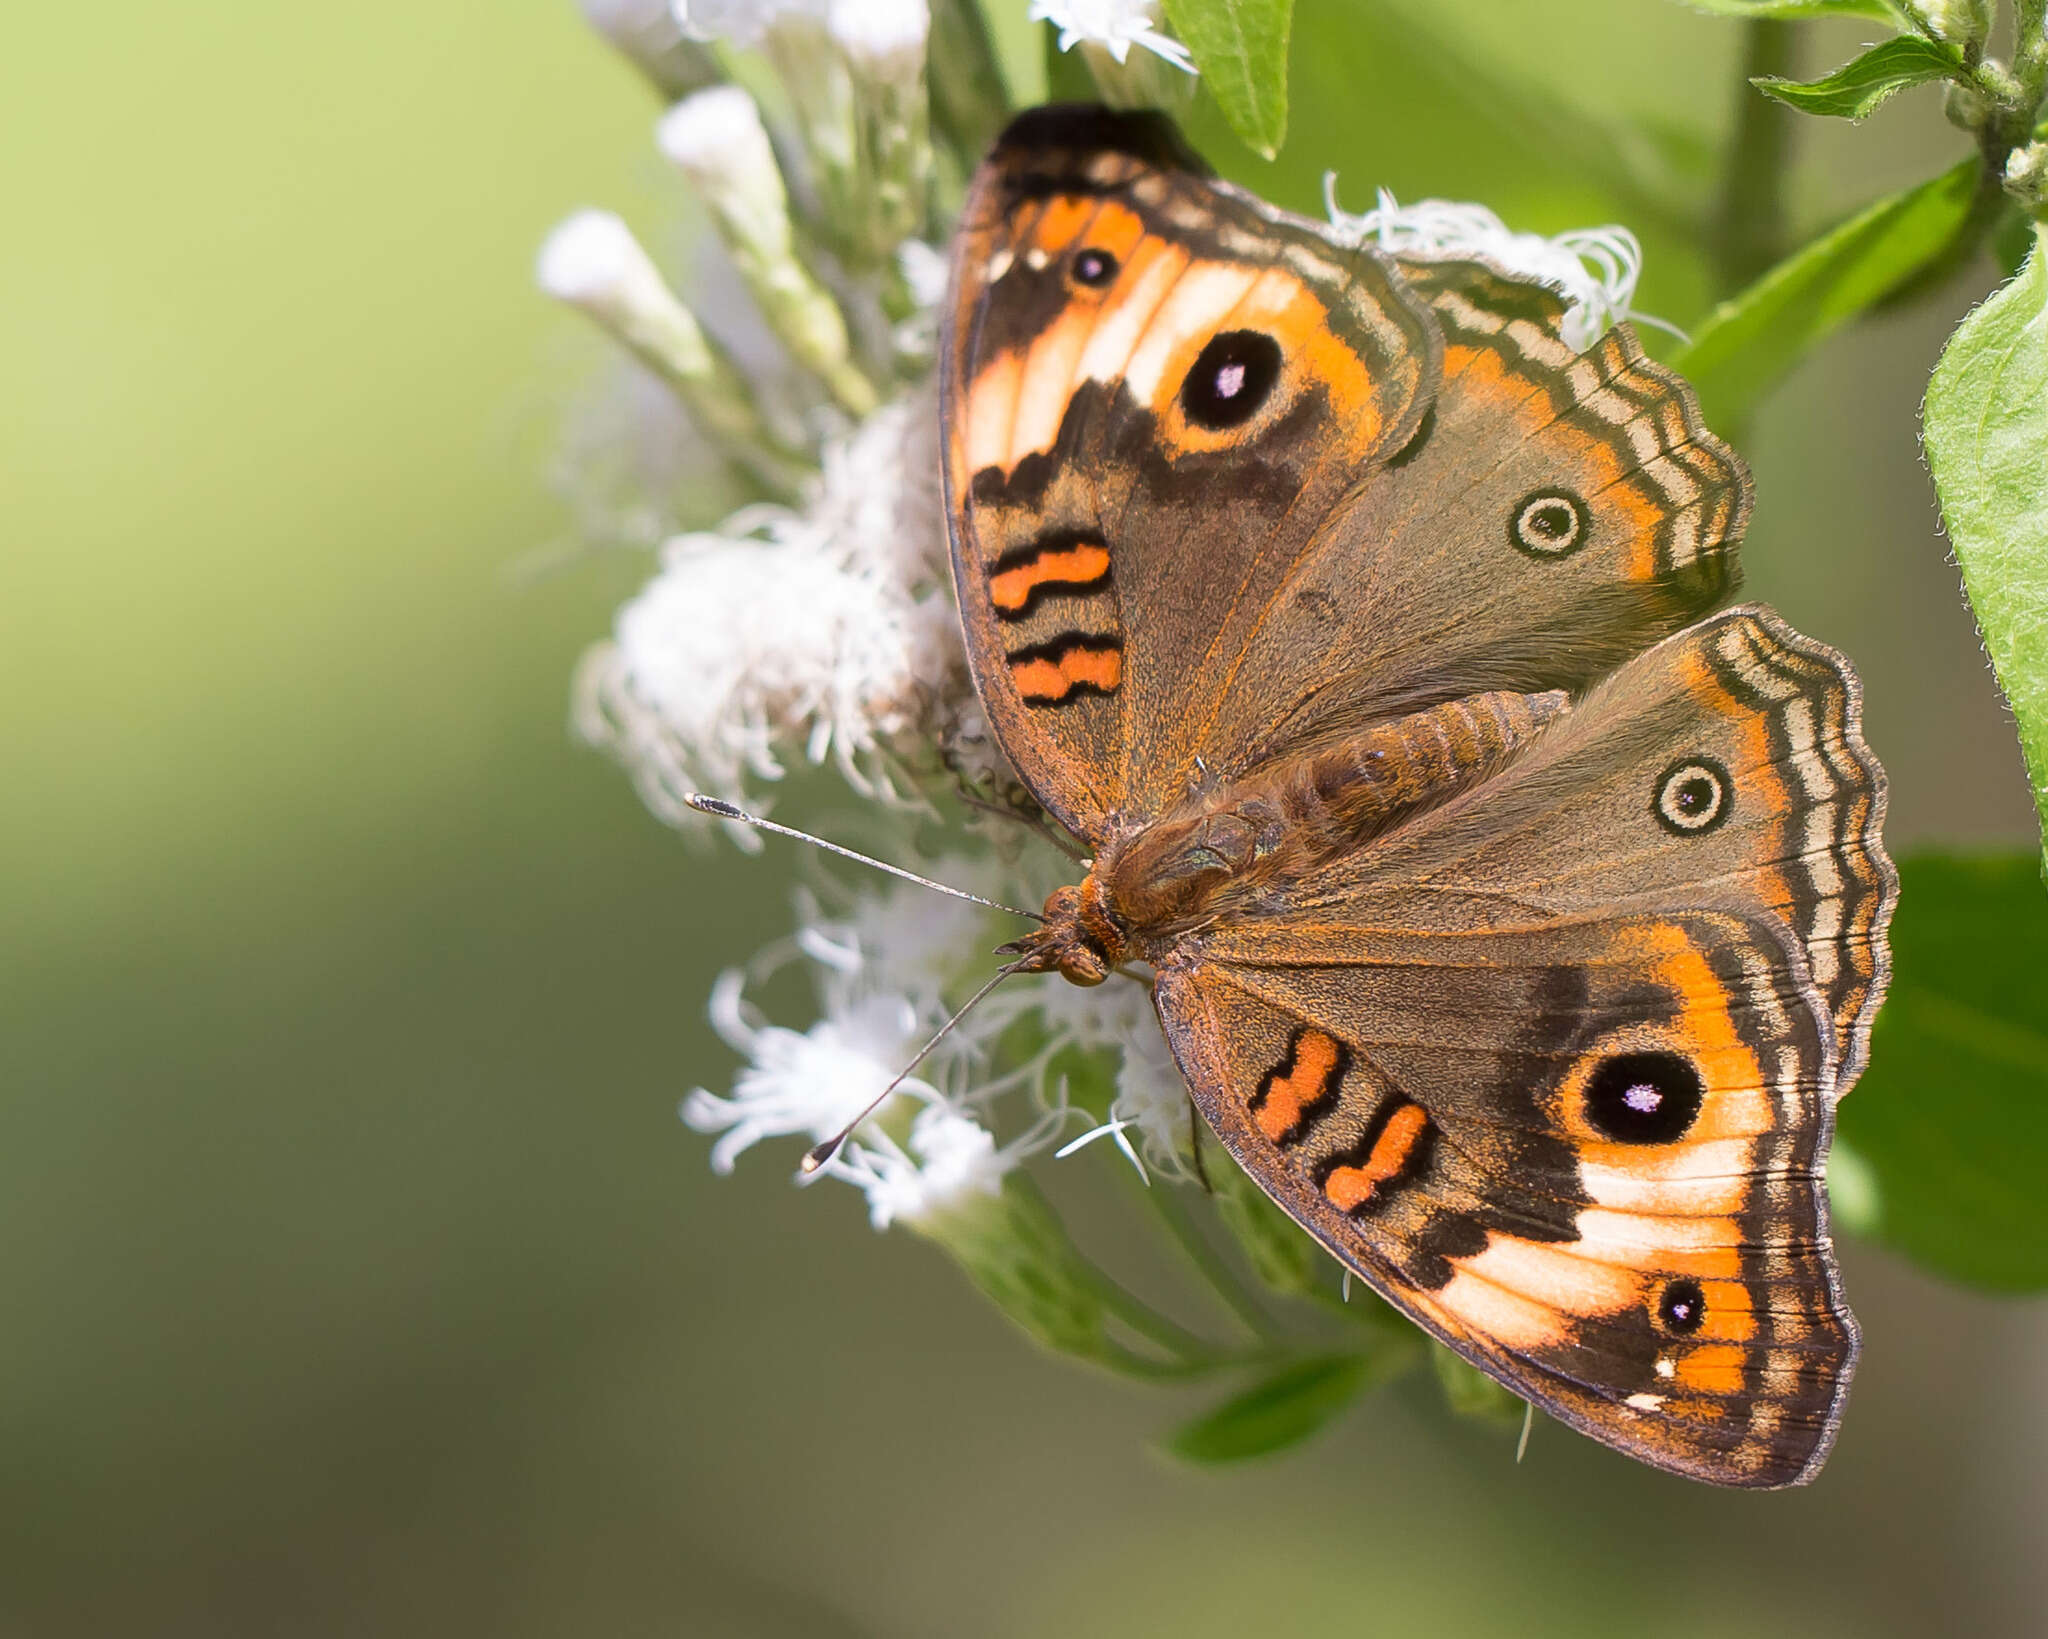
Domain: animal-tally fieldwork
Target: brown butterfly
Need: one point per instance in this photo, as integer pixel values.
(1513, 925)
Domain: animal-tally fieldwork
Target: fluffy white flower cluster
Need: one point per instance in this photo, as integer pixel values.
(1594, 268)
(828, 629)
(882, 971)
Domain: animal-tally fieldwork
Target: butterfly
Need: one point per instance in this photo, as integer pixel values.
(1515, 918)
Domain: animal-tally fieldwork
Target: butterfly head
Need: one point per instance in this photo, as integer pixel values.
(1080, 939)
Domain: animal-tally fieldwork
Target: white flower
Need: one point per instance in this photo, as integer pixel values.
(1594, 268)
(833, 634)
(1114, 25)
(950, 1166)
(880, 504)
(1119, 1017)
(742, 22)
(905, 940)
(811, 1082)
(885, 37)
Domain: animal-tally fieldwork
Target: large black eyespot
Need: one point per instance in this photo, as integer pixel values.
(1693, 795)
(1094, 267)
(1644, 1098)
(1551, 523)
(1231, 379)
(1683, 1307)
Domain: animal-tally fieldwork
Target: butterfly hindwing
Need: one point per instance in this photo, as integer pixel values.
(1678, 887)
(1584, 1156)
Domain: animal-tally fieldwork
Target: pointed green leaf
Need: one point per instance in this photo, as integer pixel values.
(1857, 87)
(1752, 339)
(1240, 46)
(1986, 423)
(1882, 10)
(1951, 1118)
(1278, 1411)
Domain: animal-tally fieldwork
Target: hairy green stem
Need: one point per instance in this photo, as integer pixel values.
(1747, 234)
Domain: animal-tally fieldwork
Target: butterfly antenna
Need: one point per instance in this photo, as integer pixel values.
(819, 1154)
(719, 808)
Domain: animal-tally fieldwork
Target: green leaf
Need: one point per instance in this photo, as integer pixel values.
(1278, 1411)
(1986, 423)
(1951, 1118)
(2011, 241)
(1857, 87)
(1751, 340)
(1882, 10)
(1241, 48)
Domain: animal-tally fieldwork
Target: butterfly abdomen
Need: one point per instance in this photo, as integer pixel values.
(1240, 843)
(1348, 792)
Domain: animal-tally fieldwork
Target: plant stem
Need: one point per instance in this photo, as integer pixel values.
(1215, 1268)
(1747, 234)
(1188, 1349)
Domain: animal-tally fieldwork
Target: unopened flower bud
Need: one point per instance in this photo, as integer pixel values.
(717, 140)
(883, 42)
(648, 34)
(2026, 174)
(593, 262)
(1960, 22)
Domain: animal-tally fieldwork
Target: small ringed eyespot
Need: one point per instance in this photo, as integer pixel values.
(1095, 268)
(1693, 796)
(1682, 1307)
(1231, 378)
(1552, 523)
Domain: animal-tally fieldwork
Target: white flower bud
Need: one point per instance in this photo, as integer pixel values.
(884, 38)
(593, 262)
(649, 35)
(717, 140)
(2026, 173)
(742, 23)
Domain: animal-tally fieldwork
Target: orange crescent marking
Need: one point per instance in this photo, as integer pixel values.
(1050, 681)
(1350, 1187)
(1078, 566)
(1315, 1059)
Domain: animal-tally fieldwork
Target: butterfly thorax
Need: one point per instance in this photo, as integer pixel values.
(1238, 846)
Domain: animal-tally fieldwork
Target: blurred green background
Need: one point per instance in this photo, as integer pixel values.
(358, 1276)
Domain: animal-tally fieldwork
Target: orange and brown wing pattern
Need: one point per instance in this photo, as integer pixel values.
(1556, 511)
(1585, 1156)
(1725, 767)
(1152, 385)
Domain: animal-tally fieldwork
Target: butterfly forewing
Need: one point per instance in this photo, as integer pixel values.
(1155, 391)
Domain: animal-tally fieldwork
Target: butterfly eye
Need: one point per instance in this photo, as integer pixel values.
(1552, 523)
(1683, 1307)
(1095, 268)
(1644, 1098)
(1233, 376)
(1693, 796)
